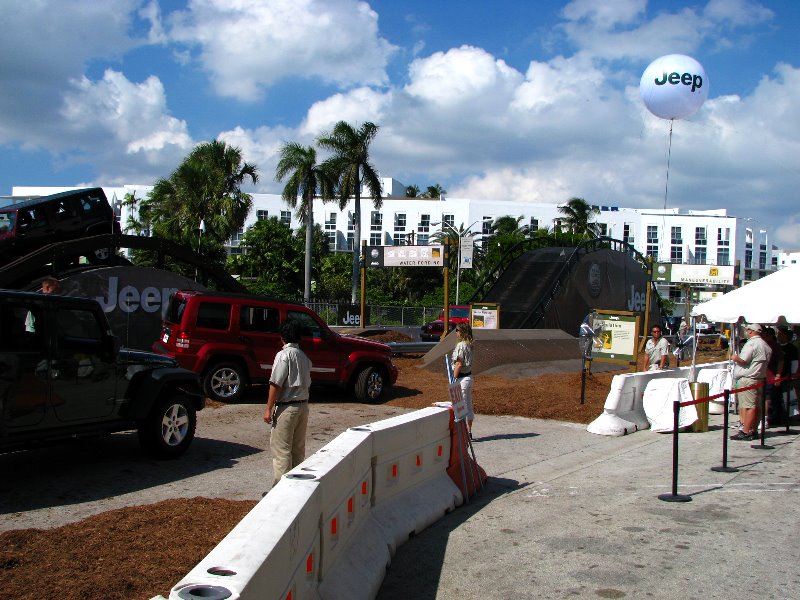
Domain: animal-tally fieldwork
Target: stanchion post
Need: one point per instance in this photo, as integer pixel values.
(725, 468)
(762, 445)
(675, 496)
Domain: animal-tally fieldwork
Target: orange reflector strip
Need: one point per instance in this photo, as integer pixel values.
(419, 460)
(309, 564)
(394, 471)
(333, 526)
(439, 450)
(289, 595)
(350, 504)
(363, 488)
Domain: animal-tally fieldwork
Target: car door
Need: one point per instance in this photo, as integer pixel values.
(23, 366)
(258, 330)
(320, 347)
(82, 371)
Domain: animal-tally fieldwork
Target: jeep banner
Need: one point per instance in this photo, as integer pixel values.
(349, 315)
(134, 299)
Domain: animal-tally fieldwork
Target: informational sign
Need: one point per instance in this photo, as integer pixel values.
(694, 274)
(485, 316)
(405, 256)
(467, 250)
(616, 335)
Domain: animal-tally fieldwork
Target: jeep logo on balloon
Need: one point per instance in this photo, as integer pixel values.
(674, 86)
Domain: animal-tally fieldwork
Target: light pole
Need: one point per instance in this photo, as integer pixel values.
(459, 236)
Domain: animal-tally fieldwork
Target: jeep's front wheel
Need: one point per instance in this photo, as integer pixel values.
(369, 385)
(224, 382)
(169, 429)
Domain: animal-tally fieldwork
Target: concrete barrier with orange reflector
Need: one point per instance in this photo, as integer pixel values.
(274, 552)
(328, 529)
(412, 488)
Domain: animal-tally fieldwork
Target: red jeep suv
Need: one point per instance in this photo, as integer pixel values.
(230, 341)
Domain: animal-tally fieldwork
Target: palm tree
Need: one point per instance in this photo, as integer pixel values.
(577, 218)
(350, 167)
(434, 191)
(306, 178)
(412, 191)
(204, 189)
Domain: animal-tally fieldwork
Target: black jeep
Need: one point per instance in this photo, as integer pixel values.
(64, 375)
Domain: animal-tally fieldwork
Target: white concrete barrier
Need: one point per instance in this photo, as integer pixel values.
(718, 381)
(623, 411)
(328, 529)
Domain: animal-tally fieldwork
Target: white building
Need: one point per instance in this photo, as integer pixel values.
(694, 237)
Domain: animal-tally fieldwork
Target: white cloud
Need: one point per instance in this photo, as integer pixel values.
(248, 45)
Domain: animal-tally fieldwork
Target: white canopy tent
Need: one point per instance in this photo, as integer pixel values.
(770, 300)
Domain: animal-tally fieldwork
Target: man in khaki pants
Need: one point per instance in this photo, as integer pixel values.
(287, 402)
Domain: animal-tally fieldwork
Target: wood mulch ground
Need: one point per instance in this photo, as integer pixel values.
(140, 552)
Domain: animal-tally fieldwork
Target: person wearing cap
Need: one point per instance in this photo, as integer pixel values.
(750, 370)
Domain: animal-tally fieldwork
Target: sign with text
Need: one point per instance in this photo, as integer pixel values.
(467, 251)
(349, 315)
(485, 316)
(616, 336)
(694, 274)
(405, 256)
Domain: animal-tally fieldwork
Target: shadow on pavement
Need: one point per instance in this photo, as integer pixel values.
(424, 555)
(98, 468)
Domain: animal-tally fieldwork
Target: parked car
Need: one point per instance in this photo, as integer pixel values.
(230, 341)
(432, 332)
(31, 224)
(64, 375)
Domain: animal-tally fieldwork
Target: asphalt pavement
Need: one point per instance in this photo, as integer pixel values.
(570, 514)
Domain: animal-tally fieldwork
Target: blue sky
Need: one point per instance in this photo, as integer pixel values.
(503, 100)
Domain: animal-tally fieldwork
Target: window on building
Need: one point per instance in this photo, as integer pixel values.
(748, 255)
(424, 224)
(262, 215)
(400, 221)
(762, 260)
(399, 239)
(723, 257)
(423, 239)
(235, 242)
(724, 236)
(676, 254)
(375, 239)
(487, 226)
(700, 255)
(628, 233)
(534, 225)
(375, 221)
(676, 235)
(700, 238)
(652, 241)
(286, 217)
(449, 220)
(351, 231)
(330, 230)
(602, 229)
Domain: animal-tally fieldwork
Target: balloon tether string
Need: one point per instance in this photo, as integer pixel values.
(669, 155)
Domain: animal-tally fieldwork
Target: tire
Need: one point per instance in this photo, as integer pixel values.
(224, 382)
(169, 429)
(369, 385)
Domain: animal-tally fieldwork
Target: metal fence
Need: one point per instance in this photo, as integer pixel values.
(381, 316)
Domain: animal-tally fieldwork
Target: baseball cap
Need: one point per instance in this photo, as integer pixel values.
(753, 327)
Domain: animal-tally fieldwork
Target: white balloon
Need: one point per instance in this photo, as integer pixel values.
(674, 86)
